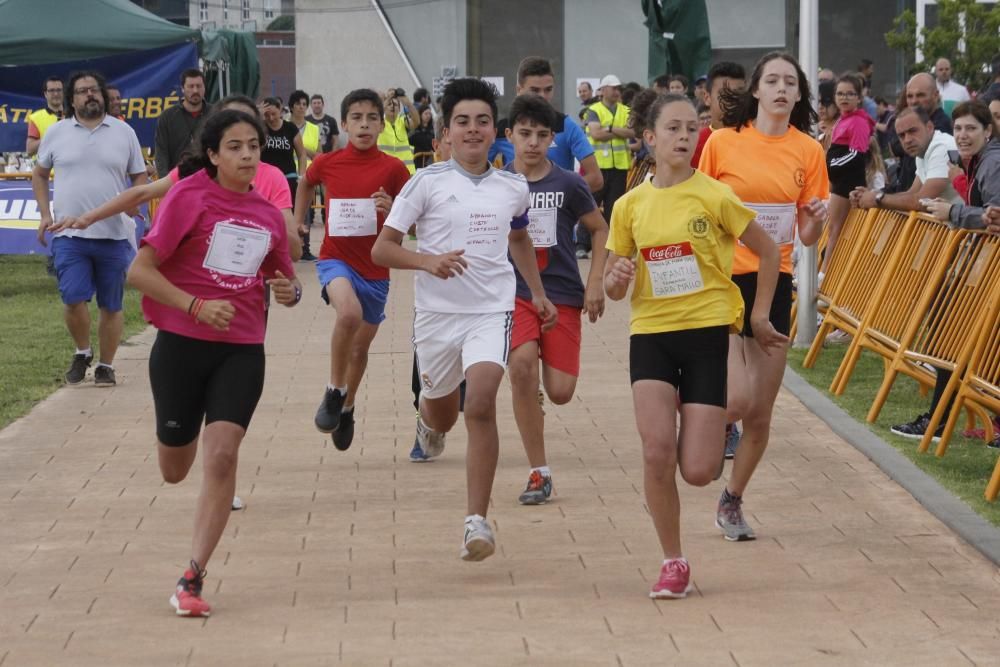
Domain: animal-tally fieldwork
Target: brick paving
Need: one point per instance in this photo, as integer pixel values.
(352, 558)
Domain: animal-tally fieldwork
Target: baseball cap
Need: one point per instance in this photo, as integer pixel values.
(610, 80)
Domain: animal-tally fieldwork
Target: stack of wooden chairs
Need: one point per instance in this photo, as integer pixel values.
(925, 298)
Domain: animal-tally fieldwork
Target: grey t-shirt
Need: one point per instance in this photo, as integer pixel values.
(567, 194)
(91, 167)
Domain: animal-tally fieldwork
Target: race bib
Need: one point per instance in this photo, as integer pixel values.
(479, 232)
(352, 217)
(236, 250)
(542, 227)
(673, 270)
(778, 220)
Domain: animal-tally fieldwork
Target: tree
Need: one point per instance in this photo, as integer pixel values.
(959, 21)
(286, 22)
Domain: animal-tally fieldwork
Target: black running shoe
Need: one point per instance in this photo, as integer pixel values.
(916, 428)
(104, 376)
(78, 369)
(343, 435)
(328, 414)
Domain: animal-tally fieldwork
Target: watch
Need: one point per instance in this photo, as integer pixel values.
(878, 199)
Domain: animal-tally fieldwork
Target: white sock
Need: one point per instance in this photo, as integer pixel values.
(667, 560)
(543, 470)
(87, 353)
(472, 517)
(347, 408)
(101, 363)
(342, 390)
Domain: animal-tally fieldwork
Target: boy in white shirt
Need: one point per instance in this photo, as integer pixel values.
(468, 215)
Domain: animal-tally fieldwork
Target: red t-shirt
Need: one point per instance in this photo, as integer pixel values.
(703, 136)
(193, 212)
(354, 174)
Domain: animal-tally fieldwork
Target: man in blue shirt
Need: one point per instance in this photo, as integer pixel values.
(534, 76)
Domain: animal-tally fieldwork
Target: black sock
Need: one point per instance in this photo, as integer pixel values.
(728, 497)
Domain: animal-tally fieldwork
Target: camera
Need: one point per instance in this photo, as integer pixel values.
(400, 92)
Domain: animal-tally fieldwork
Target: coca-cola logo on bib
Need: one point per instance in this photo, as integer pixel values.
(664, 252)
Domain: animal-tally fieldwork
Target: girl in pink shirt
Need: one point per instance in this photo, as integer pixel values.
(848, 154)
(202, 270)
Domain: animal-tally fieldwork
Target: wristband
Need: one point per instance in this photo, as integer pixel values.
(191, 305)
(197, 309)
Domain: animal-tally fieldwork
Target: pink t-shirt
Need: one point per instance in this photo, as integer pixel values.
(854, 129)
(190, 214)
(269, 183)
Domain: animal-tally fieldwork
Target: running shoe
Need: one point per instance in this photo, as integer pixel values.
(417, 453)
(430, 441)
(308, 257)
(479, 543)
(538, 490)
(582, 254)
(328, 413)
(237, 503)
(729, 519)
(104, 376)
(187, 600)
(78, 368)
(995, 442)
(916, 428)
(674, 582)
(343, 435)
(733, 436)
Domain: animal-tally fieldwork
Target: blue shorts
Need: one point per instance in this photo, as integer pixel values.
(372, 294)
(85, 266)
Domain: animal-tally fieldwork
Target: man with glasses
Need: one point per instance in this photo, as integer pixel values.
(43, 119)
(95, 155)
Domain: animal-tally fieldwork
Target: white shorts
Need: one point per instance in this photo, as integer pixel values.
(446, 344)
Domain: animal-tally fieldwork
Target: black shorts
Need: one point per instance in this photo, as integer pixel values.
(846, 169)
(195, 380)
(693, 361)
(781, 305)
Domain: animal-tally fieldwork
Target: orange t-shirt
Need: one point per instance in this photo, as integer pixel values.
(775, 176)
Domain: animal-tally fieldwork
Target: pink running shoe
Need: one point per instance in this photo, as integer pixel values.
(674, 581)
(187, 599)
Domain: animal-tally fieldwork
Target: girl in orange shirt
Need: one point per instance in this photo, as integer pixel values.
(776, 168)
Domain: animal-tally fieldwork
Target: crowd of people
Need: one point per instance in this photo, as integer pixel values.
(688, 199)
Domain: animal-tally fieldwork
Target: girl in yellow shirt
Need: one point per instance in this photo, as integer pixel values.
(674, 236)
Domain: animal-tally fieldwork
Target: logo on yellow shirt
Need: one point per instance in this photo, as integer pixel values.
(698, 227)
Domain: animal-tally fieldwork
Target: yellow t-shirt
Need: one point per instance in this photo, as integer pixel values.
(772, 175)
(682, 239)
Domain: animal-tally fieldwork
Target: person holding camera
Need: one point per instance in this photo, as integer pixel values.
(400, 116)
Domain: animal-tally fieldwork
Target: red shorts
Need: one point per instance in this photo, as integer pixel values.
(559, 347)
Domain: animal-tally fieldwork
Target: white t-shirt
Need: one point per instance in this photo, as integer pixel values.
(953, 91)
(452, 210)
(934, 164)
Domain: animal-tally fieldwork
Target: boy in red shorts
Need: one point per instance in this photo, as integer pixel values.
(559, 198)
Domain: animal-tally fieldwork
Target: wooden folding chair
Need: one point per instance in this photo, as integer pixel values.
(920, 257)
(857, 289)
(945, 325)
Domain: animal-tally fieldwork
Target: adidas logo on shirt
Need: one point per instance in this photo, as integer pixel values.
(452, 199)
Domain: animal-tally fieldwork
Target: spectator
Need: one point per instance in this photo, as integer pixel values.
(722, 76)
(178, 125)
(883, 114)
(661, 84)
(701, 90)
(704, 116)
(608, 128)
(950, 92)
(326, 124)
(298, 105)
(629, 90)
(422, 140)
(866, 68)
(115, 102)
(95, 155)
(44, 118)
(867, 103)
(920, 91)
(283, 148)
(975, 136)
(400, 116)
(678, 85)
(992, 89)
(585, 93)
(826, 74)
(929, 148)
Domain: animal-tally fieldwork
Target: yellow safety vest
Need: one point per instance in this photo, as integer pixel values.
(310, 140)
(394, 141)
(43, 120)
(611, 153)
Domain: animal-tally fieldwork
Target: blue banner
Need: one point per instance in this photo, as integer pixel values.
(19, 219)
(149, 82)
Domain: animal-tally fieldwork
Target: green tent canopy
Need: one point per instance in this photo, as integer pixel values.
(679, 40)
(38, 32)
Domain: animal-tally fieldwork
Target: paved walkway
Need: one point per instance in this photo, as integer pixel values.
(352, 558)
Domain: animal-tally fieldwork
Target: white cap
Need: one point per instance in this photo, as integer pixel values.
(610, 80)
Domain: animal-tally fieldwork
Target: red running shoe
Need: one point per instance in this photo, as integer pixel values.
(674, 581)
(187, 599)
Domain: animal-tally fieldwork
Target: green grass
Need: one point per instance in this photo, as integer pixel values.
(36, 348)
(966, 466)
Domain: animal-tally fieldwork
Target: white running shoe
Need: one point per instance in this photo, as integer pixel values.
(479, 542)
(237, 503)
(432, 442)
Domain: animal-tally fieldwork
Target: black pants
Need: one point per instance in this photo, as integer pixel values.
(614, 187)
